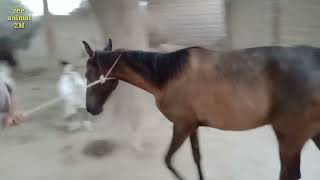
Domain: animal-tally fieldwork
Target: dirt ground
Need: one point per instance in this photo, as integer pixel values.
(41, 150)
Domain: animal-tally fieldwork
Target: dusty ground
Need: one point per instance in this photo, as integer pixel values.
(40, 150)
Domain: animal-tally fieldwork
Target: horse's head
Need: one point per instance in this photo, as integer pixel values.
(98, 64)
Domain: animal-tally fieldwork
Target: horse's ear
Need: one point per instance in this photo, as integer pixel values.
(109, 46)
(88, 49)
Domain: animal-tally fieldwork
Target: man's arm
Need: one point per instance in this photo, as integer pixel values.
(8, 106)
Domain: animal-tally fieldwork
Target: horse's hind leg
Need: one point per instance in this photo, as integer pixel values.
(290, 154)
(180, 134)
(316, 140)
(194, 139)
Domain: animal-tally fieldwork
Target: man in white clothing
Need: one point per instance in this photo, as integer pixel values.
(72, 88)
(8, 114)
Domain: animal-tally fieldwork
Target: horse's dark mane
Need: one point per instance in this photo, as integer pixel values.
(157, 67)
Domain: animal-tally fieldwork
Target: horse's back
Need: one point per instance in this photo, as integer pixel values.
(237, 90)
(282, 54)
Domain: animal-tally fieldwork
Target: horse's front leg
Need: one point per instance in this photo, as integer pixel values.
(180, 134)
(194, 139)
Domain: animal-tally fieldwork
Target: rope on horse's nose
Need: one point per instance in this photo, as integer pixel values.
(103, 78)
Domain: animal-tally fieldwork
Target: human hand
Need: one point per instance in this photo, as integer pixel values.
(13, 119)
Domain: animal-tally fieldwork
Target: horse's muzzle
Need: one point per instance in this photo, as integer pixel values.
(94, 111)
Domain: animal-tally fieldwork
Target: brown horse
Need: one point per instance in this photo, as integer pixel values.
(237, 90)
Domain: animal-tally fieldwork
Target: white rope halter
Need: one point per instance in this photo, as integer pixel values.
(101, 80)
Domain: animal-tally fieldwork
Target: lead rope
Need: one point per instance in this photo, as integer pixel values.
(102, 80)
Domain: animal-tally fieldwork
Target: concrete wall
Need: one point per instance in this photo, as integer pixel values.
(300, 22)
(252, 22)
(68, 32)
(122, 21)
(187, 22)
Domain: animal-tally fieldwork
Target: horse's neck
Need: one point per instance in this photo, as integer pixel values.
(150, 71)
(135, 68)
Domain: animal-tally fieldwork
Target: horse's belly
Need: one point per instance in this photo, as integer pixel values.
(232, 109)
(229, 120)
